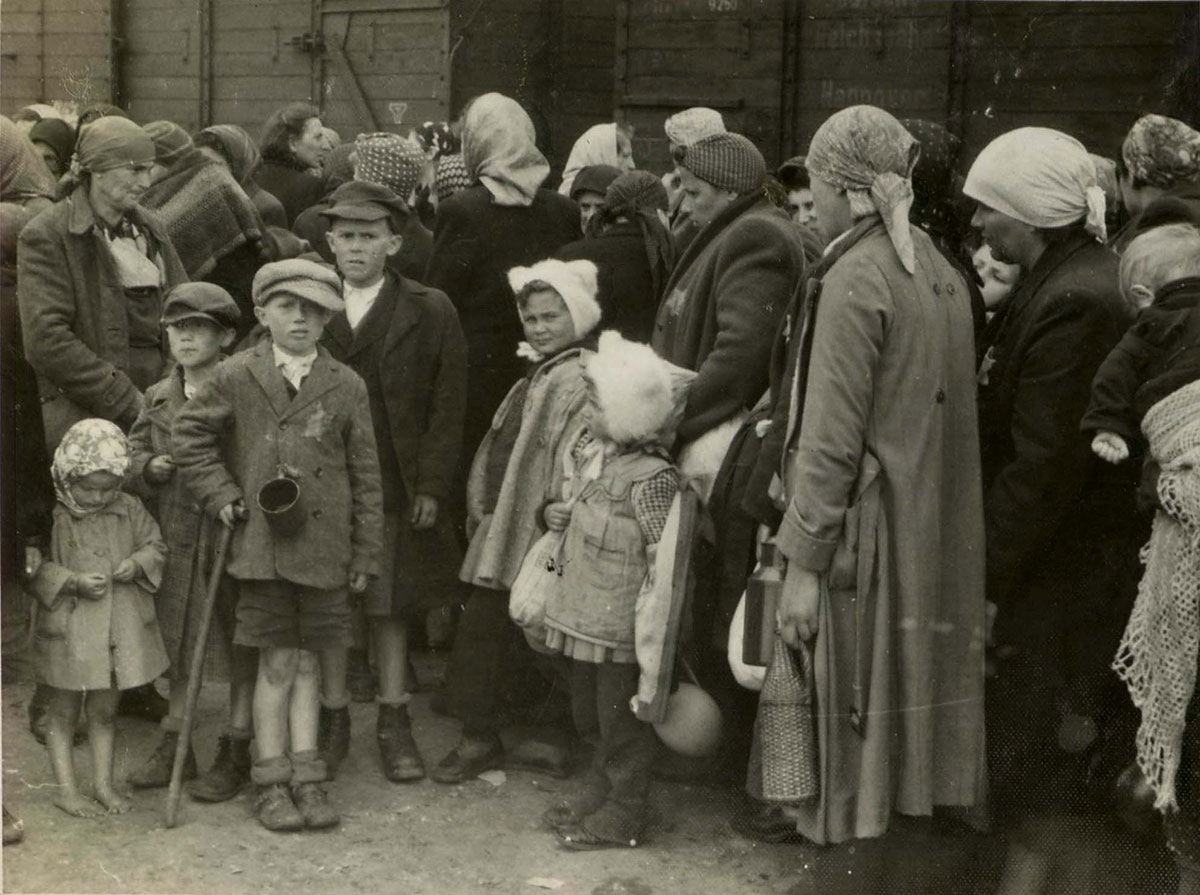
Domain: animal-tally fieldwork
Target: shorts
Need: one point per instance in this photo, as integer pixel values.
(283, 615)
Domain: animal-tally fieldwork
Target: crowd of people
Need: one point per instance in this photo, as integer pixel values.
(931, 407)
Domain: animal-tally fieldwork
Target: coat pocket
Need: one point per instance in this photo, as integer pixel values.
(52, 624)
(147, 613)
(858, 541)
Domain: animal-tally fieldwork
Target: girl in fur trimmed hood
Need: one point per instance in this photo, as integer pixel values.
(620, 486)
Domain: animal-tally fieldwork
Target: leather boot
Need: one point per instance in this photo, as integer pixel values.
(230, 771)
(397, 749)
(333, 737)
(275, 809)
(156, 772)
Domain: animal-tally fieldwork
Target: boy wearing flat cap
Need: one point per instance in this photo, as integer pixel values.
(286, 415)
(405, 341)
(200, 319)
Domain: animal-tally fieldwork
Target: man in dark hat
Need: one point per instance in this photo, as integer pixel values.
(405, 341)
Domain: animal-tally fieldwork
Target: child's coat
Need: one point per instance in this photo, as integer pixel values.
(84, 644)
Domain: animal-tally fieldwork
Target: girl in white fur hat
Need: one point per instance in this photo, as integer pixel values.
(621, 483)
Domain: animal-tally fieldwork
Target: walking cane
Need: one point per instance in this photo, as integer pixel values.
(194, 675)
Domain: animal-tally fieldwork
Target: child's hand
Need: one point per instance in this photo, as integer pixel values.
(558, 515)
(358, 582)
(92, 585)
(231, 513)
(424, 512)
(1110, 447)
(126, 571)
(159, 470)
(33, 561)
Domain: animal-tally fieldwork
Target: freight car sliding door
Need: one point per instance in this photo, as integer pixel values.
(383, 64)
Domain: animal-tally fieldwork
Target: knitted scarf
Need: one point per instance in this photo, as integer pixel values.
(1157, 655)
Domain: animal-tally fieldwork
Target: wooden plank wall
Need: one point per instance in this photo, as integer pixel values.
(1089, 69)
(55, 50)
(553, 56)
(160, 60)
(726, 54)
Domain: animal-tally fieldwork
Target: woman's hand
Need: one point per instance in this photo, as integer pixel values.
(159, 470)
(126, 571)
(424, 512)
(797, 613)
(357, 582)
(558, 516)
(91, 586)
(1110, 447)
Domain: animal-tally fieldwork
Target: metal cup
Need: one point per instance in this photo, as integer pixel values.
(281, 503)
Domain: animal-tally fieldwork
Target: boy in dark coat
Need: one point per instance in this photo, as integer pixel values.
(405, 341)
(285, 410)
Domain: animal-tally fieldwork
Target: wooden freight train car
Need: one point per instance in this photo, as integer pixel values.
(775, 68)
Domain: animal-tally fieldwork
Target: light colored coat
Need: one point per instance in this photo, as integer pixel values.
(241, 429)
(84, 644)
(885, 503)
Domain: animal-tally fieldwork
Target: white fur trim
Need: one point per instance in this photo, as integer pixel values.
(575, 281)
(633, 387)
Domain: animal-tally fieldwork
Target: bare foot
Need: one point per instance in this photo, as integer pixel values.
(116, 802)
(78, 805)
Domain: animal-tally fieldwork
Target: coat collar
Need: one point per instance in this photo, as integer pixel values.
(714, 228)
(83, 217)
(392, 316)
(1054, 257)
(325, 376)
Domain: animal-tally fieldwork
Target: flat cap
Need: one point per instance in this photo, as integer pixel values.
(362, 201)
(296, 276)
(204, 300)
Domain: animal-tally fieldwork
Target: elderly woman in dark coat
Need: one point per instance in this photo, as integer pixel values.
(292, 145)
(505, 220)
(633, 251)
(1062, 529)
(92, 271)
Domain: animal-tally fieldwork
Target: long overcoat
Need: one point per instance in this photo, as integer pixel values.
(84, 644)
(242, 429)
(884, 494)
(73, 313)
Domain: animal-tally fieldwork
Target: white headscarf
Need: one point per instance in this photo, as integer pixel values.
(597, 146)
(498, 148)
(1041, 177)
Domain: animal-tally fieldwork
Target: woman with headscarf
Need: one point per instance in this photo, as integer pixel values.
(1158, 173)
(234, 146)
(882, 523)
(603, 144)
(292, 146)
(55, 140)
(215, 228)
(506, 219)
(24, 178)
(682, 130)
(1062, 529)
(91, 275)
(633, 252)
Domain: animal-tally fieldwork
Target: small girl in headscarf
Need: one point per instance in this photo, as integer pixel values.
(96, 632)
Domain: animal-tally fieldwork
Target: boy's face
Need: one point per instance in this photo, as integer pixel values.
(295, 323)
(197, 342)
(362, 248)
(95, 490)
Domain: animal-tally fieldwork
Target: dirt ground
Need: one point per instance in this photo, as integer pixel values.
(473, 839)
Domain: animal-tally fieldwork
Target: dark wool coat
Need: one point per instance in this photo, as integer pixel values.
(1042, 483)
(73, 310)
(411, 353)
(242, 429)
(409, 262)
(475, 243)
(722, 306)
(627, 299)
(294, 187)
